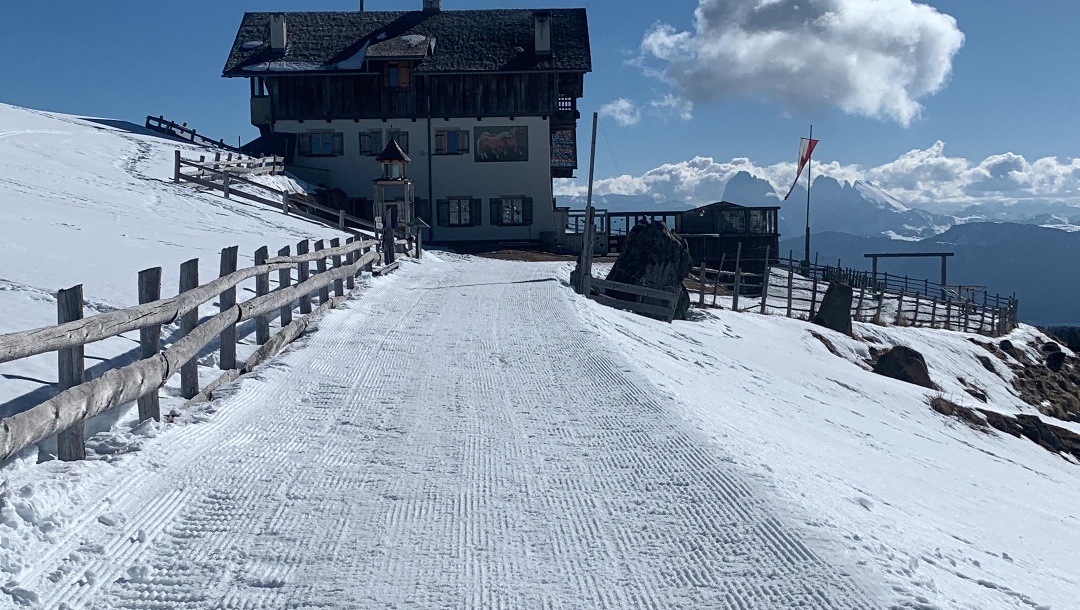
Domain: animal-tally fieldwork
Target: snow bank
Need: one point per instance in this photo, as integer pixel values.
(951, 517)
(86, 202)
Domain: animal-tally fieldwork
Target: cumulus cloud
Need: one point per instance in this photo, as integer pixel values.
(920, 176)
(624, 111)
(876, 58)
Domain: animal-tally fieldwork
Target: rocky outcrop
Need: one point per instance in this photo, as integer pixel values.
(835, 310)
(654, 256)
(905, 364)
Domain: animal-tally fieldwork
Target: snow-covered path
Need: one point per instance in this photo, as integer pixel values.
(456, 438)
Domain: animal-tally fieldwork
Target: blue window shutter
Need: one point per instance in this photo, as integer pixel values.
(451, 142)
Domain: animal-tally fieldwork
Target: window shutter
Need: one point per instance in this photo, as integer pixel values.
(403, 141)
(463, 141)
(423, 210)
(496, 212)
(527, 210)
(474, 212)
(339, 143)
(376, 142)
(440, 143)
(365, 143)
(404, 76)
(450, 145)
(444, 212)
(304, 144)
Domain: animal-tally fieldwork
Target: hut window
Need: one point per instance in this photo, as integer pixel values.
(321, 144)
(371, 142)
(397, 76)
(451, 141)
(512, 210)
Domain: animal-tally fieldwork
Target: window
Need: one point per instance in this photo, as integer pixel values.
(459, 211)
(451, 141)
(512, 210)
(371, 142)
(397, 75)
(321, 144)
(399, 136)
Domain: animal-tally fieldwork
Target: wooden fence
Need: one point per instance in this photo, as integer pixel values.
(79, 399)
(796, 290)
(162, 125)
(648, 301)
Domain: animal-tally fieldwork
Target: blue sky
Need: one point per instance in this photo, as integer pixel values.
(1011, 89)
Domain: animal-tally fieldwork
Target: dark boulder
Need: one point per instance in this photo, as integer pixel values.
(656, 257)
(1055, 360)
(835, 310)
(905, 364)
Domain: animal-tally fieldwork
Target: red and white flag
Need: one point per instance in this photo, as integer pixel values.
(806, 148)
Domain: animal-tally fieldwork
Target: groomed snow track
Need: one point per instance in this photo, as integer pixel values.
(456, 438)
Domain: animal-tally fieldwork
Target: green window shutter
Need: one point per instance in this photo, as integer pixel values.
(304, 144)
(444, 212)
(475, 212)
(496, 211)
(527, 210)
(339, 143)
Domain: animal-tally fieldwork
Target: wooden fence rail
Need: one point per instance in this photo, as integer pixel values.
(79, 400)
(162, 125)
(663, 306)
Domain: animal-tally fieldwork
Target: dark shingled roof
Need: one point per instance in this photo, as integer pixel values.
(392, 152)
(464, 41)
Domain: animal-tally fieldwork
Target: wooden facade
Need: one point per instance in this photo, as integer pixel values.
(720, 233)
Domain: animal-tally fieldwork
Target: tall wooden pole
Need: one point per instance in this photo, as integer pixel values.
(588, 245)
(809, 164)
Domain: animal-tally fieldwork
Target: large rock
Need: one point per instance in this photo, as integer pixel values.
(654, 256)
(905, 364)
(835, 310)
(1055, 360)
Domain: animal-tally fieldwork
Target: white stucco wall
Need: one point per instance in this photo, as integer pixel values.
(454, 175)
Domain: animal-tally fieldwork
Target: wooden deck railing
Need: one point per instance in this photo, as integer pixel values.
(79, 399)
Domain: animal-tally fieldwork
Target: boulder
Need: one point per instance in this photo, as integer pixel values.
(835, 310)
(905, 364)
(1055, 360)
(656, 257)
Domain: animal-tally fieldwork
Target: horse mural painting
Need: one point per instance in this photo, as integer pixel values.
(497, 144)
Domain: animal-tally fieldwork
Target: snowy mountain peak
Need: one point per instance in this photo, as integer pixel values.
(880, 198)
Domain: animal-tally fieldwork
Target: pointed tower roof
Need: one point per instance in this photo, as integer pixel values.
(392, 152)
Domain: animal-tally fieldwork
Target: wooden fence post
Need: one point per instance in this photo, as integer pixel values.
(701, 286)
(419, 242)
(262, 287)
(149, 339)
(341, 220)
(933, 312)
(813, 297)
(225, 184)
(284, 281)
(948, 314)
(915, 319)
(716, 284)
(339, 284)
(766, 272)
(350, 281)
(370, 266)
(189, 371)
(71, 365)
(900, 307)
(303, 272)
(790, 280)
(176, 167)
(320, 266)
(880, 303)
(737, 288)
(227, 359)
(285, 203)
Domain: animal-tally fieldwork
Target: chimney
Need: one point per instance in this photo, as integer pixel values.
(277, 31)
(432, 6)
(542, 21)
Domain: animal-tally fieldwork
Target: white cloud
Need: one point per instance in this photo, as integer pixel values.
(874, 58)
(624, 111)
(919, 176)
(673, 106)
